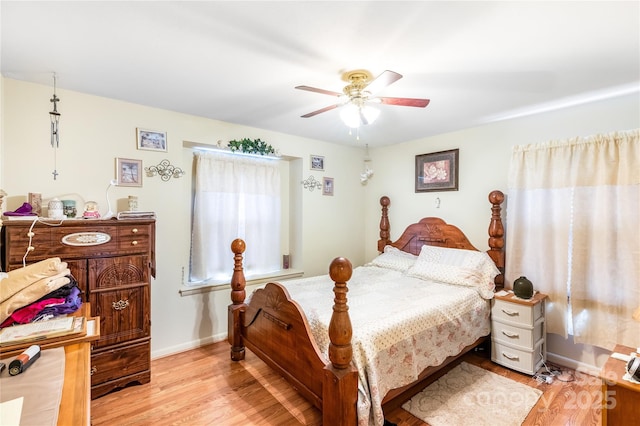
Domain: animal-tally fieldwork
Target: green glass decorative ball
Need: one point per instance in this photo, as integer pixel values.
(523, 288)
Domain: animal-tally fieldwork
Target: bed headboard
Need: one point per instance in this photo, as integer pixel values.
(434, 231)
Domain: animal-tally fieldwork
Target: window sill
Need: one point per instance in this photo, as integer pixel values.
(285, 274)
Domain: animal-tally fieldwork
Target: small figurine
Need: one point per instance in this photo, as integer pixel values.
(91, 210)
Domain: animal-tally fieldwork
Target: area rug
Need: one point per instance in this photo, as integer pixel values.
(471, 395)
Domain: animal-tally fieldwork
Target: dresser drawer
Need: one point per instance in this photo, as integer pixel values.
(83, 242)
(134, 238)
(16, 241)
(524, 338)
(517, 359)
(123, 361)
(516, 314)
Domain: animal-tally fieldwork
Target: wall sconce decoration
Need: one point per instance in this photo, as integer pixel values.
(311, 183)
(368, 172)
(165, 170)
(54, 116)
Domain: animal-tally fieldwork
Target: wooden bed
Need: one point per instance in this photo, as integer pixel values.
(274, 327)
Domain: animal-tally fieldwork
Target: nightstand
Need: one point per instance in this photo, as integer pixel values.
(518, 332)
(619, 397)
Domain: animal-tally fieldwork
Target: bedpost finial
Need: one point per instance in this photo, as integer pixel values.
(385, 201)
(238, 246)
(340, 270)
(496, 197)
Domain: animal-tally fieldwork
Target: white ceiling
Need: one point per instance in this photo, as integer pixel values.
(239, 61)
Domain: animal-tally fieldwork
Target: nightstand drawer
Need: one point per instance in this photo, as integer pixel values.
(514, 313)
(516, 359)
(524, 338)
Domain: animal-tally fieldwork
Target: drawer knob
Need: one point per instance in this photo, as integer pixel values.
(134, 243)
(510, 313)
(511, 357)
(134, 230)
(94, 370)
(512, 335)
(120, 305)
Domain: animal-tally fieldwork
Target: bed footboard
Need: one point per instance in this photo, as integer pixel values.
(274, 328)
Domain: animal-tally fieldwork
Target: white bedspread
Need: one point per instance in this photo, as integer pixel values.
(401, 325)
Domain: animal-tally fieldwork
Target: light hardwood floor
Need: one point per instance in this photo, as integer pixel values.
(204, 387)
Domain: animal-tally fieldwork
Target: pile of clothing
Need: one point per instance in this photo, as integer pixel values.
(38, 292)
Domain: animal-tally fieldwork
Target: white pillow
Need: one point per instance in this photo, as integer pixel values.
(468, 268)
(394, 258)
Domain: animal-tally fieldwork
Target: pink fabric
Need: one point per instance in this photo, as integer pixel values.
(32, 293)
(26, 314)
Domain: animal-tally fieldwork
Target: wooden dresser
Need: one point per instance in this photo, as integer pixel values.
(113, 262)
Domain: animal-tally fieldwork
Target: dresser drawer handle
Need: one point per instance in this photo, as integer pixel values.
(120, 305)
(512, 335)
(134, 243)
(134, 230)
(94, 370)
(510, 313)
(511, 357)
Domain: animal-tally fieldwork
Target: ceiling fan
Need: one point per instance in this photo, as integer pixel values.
(357, 96)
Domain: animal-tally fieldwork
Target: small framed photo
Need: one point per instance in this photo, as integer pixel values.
(327, 186)
(152, 140)
(437, 171)
(317, 162)
(129, 172)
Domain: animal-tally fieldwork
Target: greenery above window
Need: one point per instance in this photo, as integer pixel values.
(255, 146)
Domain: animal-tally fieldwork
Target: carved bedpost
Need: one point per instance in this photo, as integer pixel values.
(340, 385)
(384, 224)
(238, 282)
(496, 235)
(340, 325)
(236, 309)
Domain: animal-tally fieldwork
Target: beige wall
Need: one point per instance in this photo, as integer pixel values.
(95, 130)
(484, 159)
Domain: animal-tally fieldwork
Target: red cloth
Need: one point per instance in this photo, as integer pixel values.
(26, 314)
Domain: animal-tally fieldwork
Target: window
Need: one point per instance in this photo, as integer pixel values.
(573, 211)
(235, 196)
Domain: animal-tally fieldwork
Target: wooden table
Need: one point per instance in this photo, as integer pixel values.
(75, 402)
(620, 398)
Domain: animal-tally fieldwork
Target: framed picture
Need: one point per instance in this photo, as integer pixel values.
(437, 171)
(151, 140)
(317, 162)
(129, 172)
(327, 186)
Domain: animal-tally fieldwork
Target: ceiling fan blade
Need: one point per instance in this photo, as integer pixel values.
(325, 109)
(383, 80)
(412, 102)
(316, 90)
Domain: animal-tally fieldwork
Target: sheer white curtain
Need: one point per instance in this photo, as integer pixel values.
(573, 228)
(235, 197)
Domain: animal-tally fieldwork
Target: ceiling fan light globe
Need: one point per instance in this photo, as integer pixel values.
(371, 114)
(355, 116)
(350, 116)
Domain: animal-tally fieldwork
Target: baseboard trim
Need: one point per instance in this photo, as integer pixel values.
(187, 346)
(573, 364)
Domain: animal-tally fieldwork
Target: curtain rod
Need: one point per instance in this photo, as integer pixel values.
(219, 148)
